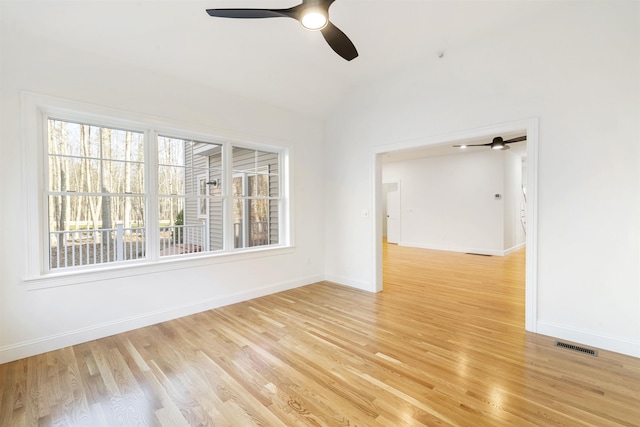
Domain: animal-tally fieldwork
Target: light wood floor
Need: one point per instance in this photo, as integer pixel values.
(444, 344)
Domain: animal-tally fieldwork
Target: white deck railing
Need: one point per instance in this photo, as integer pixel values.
(183, 239)
(78, 248)
(84, 247)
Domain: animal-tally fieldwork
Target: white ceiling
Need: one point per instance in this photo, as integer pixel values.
(271, 60)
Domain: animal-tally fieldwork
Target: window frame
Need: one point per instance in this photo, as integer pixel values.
(203, 201)
(38, 109)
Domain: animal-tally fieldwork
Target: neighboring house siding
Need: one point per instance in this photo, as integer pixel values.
(274, 206)
(215, 205)
(199, 163)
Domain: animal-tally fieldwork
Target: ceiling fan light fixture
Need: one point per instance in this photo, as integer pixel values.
(498, 144)
(314, 19)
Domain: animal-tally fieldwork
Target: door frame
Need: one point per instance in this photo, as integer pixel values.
(397, 183)
(530, 126)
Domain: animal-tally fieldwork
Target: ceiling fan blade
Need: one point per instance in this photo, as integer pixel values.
(339, 42)
(479, 145)
(497, 142)
(517, 139)
(251, 13)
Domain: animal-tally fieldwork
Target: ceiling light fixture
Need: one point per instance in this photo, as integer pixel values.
(314, 19)
(498, 144)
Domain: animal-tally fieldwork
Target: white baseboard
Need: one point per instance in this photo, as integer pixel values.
(464, 249)
(615, 344)
(514, 248)
(345, 281)
(41, 345)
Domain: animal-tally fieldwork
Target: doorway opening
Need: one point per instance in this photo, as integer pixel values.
(442, 144)
(391, 211)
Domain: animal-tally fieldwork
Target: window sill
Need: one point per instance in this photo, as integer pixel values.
(77, 277)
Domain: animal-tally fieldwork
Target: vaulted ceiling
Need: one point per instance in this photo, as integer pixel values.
(272, 60)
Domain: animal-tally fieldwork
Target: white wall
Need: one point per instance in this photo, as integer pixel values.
(33, 321)
(514, 236)
(448, 202)
(578, 71)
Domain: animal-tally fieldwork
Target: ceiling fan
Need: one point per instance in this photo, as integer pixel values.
(497, 144)
(312, 14)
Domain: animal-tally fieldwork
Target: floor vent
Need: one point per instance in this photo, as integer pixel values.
(577, 348)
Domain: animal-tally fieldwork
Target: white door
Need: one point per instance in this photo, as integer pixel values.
(393, 214)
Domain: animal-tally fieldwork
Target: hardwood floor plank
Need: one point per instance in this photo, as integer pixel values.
(443, 345)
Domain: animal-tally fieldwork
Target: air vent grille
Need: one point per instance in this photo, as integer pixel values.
(577, 348)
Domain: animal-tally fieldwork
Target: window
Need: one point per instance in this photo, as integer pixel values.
(190, 206)
(119, 194)
(96, 194)
(255, 198)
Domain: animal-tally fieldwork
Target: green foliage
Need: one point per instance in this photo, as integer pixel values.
(178, 237)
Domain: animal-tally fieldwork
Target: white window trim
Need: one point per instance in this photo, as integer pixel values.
(201, 199)
(36, 108)
(245, 208)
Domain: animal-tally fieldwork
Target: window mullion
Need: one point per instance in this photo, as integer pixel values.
(152, 221)
(284, 231)
(227, 196)
(246, 212)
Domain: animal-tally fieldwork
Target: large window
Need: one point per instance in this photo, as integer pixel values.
(96, 194)
(117, 195)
